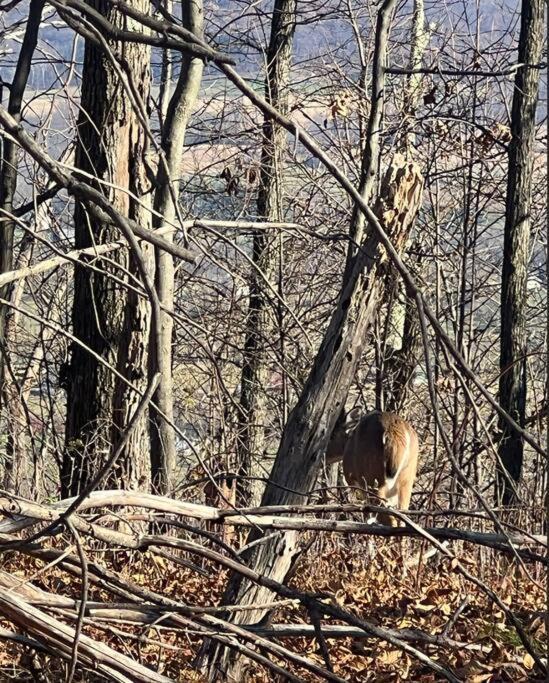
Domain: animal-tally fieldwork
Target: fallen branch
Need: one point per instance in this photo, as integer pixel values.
(27, 513)
(310, 602)
(59, 638)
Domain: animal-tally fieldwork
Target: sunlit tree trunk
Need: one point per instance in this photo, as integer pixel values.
(310, 423)
(513, 347)
(400, 360)
(178, 113)
(113, 322)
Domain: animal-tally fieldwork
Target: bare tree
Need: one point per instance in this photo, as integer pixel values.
(319, 339)
(259, 324)
(401, 356)
(107, 317)
(513, 346)
(165, 203)
(310, 423)
(8, 186)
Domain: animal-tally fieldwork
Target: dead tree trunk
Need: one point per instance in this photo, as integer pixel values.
(312, 420)
(259, 326)
(109, 319)
(400, 358)
(165, 203)
(513, 347)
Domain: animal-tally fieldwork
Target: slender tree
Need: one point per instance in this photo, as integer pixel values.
(513, 345)
(259, 324)
(8, 184)
(401, 357)
(109, 319)
(311, 422)
(174, 129)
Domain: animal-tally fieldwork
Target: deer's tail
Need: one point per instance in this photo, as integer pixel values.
(396, 450)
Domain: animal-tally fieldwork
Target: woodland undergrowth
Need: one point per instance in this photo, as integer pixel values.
(390, 583)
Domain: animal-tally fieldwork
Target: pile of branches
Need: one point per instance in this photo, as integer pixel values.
(139, 522)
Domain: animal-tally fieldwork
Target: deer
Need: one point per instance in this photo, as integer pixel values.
(379, 452)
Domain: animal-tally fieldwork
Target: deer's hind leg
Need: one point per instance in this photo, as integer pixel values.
(405, 493)
(390, 499)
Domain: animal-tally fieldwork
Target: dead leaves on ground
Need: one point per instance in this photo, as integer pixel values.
(373, 586)
(366, 578)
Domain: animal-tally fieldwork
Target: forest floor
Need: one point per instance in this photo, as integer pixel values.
(366, 577)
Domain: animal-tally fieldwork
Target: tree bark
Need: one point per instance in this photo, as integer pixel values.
(259, 325)
(400, 360)
(163, 457)
(312, 420)
(513, 346)
(108, 318)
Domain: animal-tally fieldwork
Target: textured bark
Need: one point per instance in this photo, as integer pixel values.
(259, 325)
(312, 420)
(105, 316)
(513, 348)
(399, 367)
(9, 163)
(173, 138)
(400, 361)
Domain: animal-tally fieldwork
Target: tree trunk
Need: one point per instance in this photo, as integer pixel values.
(173, 138)
(21, 377)
(109, 319)
(9, 163)
(400, 360)
(400, 366)
(259, 324)
(312, 420)
(512, 383)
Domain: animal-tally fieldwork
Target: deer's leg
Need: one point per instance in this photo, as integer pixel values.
(387, 519)
(362, 495)
(401, 499)
(405, 493)
(390, 501)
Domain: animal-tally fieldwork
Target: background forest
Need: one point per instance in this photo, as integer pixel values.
(221, 225)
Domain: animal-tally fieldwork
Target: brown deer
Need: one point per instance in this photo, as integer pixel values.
(379, 453)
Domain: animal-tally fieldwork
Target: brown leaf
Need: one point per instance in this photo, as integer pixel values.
(389, 657)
